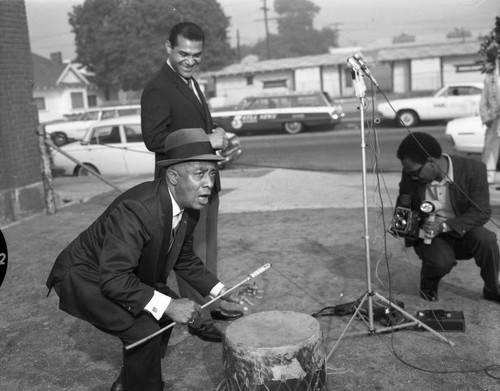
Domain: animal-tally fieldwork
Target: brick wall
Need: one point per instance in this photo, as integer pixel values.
(21, 191)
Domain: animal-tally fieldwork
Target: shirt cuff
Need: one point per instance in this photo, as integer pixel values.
(158, 304)
(216, 289)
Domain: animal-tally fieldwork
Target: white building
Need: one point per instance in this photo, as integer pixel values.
(61, 89)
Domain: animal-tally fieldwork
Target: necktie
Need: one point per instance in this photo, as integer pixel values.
(176, 219)
(193, 88)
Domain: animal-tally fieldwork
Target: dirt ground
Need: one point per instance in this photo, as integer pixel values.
(318, 260)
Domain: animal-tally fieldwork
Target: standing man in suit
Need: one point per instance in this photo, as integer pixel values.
(459, 185)
(172, 100)
(114, 274)
(489, 107)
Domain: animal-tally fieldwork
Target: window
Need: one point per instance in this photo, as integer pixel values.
(131, 111)
(249, 80)
(106, 135)
(463, 90)
(274, 83)
(90, 116)
(245, 104)
(282, 101)
(108, 114)
(261, 103)
(77, 100)
(309, 101)
(92, 100)
(133, 133)
(40, 103)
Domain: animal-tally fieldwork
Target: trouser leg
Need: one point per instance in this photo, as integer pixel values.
(438, 258)
(491, 151)
(481, 244)
(142, 364)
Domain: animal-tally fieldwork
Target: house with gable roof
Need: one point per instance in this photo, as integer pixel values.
(62, 89)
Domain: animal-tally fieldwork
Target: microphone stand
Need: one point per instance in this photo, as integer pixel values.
(360, 90)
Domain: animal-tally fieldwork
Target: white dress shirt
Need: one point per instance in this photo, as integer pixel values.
(159, 302)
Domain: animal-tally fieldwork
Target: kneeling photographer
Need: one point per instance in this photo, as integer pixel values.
(441, 210)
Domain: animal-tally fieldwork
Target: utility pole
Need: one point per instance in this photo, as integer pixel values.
(238, 49)
(265, 9)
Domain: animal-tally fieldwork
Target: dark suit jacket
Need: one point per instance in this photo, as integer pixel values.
(469, 195)
(168, 104)
(108, 274)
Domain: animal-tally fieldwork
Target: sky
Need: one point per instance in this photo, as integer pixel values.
(360, 22)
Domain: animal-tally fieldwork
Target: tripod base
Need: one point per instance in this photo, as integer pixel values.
(371, 330)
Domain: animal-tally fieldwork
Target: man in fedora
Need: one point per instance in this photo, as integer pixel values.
(114, 274)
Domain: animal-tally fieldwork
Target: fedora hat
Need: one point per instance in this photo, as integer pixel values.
(187, 145)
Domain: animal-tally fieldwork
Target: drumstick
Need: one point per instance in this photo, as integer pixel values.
(259, 271)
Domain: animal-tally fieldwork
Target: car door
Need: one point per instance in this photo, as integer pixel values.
(138, 159)
(106, 150)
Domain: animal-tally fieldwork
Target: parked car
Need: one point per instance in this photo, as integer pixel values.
(75, 129)
(451, 101)
(292, 111)
(115, 147)
(466, 134)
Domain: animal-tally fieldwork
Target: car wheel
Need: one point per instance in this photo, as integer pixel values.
(293, 127)
(81, 171)
(59, 138)
(408, 117)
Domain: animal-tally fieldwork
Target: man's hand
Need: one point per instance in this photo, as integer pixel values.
(243, 294)
(432, 228)
(218, 138)
(182, 310)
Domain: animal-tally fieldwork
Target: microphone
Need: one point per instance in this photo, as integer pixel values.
(359, 84)
(364, 68)
(354, 64)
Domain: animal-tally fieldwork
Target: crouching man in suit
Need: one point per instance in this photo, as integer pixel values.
(114, 274)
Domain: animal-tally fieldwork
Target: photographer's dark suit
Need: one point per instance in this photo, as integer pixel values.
(168, 104)
(108, 274)
(468, 238)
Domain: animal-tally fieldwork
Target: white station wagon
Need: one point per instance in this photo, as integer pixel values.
(292, 112)
(451, 101)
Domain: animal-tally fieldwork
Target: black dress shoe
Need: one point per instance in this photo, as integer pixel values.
(206, 332)
(429, 295)
(491, 296)
(222, 314)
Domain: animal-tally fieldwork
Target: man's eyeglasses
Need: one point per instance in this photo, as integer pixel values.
(416, 173)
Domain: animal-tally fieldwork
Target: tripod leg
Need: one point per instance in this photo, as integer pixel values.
(346, 327)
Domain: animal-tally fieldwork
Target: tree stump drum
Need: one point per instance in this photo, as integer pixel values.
(274, 351)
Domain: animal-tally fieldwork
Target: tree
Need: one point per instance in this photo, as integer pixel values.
(122, 42)
(296, 33)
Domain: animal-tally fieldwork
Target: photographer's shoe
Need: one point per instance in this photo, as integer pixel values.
(429, 295)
